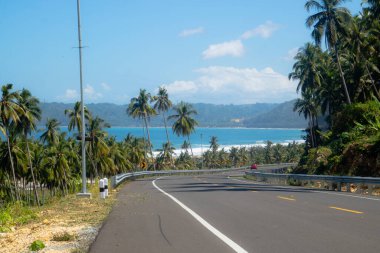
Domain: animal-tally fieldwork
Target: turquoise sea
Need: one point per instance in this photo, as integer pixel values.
(202, 136)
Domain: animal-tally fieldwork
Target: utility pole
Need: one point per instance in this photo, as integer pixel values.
(84, 192)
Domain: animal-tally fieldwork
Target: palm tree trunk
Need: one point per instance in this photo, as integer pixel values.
(13, 169)
(372, 82)
(311, 132)
(150, 144)
(31, 170)
(342, 76)
(167, 137)
(166, 128)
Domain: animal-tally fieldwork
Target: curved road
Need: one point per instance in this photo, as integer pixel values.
(216, 213)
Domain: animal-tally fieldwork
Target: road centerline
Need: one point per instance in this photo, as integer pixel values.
(286, 198)
(212, 229)
(345, 210)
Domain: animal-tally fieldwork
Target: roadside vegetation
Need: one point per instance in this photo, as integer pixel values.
(339, 81)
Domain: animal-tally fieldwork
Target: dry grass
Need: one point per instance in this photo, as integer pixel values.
(74, 220)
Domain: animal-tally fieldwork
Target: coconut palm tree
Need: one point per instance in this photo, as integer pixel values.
(307, 69)
(184, 124)
(51, 134)
(27, 124)
(163, 104)
(307, 106)
(75, 117)
(139, 107)
(10, 111)
(97, 145)
(330, 21)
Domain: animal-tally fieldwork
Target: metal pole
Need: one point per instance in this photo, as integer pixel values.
(83, 130)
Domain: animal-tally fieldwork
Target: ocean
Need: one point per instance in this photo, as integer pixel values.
(202, 136)
(200, 139)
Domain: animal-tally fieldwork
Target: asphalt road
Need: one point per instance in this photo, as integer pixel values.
(229, 211)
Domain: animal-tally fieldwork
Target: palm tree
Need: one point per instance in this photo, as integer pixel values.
(97, 145)
(27, 124)
(184, 124)
(139, 107)
(307, 68)
(214, 144)
(307, 107)
(164, 158)
(75, 117)
(330, 21)
(10, 111)
(163, 104)
(51, 134)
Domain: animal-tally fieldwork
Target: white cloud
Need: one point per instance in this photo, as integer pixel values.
(264, 31)
(190, 32)
(90, 93)
(105, 86)
(225, 85)
(70, 94)
(231, 48)
(291, 53)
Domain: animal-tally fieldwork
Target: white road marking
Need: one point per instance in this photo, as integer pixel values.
(207, 225)
(315, 191)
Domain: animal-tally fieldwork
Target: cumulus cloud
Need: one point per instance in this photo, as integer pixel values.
(230, 85)
(231, 48)
(291, 53)
(191, 32)
(105, 86)
(70, 94)
(264, 31)
(90, 93)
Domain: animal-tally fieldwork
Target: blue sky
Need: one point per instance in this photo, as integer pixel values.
(210, 51)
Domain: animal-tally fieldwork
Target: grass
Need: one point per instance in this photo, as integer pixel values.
(16, 214)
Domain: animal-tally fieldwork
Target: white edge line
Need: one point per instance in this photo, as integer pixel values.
(207, 225)
(316, 191)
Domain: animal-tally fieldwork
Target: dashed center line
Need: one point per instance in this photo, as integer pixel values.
(286, 198)
(345, 210)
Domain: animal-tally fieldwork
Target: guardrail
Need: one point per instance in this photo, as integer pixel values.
(276, 168)
(361, 184)
(116, 180)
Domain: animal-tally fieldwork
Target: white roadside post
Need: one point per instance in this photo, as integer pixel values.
(105, 187)
(101, 189)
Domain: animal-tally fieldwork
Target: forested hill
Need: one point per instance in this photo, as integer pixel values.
(209, 115)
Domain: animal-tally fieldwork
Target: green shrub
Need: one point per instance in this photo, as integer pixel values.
(37, 245)
(360, 113)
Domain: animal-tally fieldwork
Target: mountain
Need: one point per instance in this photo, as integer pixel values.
(209, 115)
(281, 116)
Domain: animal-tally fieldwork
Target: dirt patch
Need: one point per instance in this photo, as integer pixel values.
(79, 217)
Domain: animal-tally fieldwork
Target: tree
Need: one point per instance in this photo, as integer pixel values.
(97, 146)
(307, 68)
(75, 117)
(9, 112)
(330, 21)
(163, 104)
(184, 124)
(51, 134)
(307, 106)
(139, 107)
(27, 124)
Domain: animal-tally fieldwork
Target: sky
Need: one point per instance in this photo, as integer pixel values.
(201, 51)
